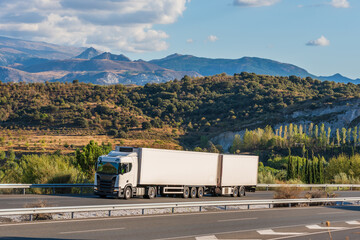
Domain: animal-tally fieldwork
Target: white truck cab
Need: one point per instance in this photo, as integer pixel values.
(116, 171)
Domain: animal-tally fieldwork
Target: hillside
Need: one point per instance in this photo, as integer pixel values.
(200, 108)
(18, 51)
(208, 66)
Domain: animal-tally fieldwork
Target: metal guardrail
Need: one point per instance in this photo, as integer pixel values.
(200, 205)
(53, 186)
(338, 186)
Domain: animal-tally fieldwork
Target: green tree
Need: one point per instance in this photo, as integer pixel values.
(343, 130)
(354, 133)
(88, 155)
(338, 138)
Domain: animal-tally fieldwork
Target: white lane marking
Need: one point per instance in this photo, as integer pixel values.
(236, 219)
(93, 230)
(213, 237)
(210, 237)
(321, 228)
(329, 213)
(315, 233)
(353, 222)
(271, 232)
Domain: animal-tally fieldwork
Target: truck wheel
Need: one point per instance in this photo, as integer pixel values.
(127, 193)
(193, 192)
(235, 192)
(151, 193)
(200, 192)
(186, 192)
(242, 191)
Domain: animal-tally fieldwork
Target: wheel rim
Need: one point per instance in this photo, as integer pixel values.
(201, 192)
(236, 192)
(186, 192)
(127, 193)
(193, 192)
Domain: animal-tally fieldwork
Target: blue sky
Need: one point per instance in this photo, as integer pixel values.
(280, 32)
(321, 36)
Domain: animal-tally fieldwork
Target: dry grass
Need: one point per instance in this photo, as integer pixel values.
(288, 192)
(40, 204)
(46, 141)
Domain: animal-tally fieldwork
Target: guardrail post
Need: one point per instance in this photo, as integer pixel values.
(350, 188)
(289, 204)
(72, 215)
(109, 213)
(267, 188)
(249, 206)
(225, 207)
(81, 189)
(143, 211)
(200, 209)
(338, 188)
(53, 190)
(31, 217)
(24, 191)
(172, 210)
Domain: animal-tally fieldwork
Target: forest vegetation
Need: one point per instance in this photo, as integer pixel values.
(50, 119)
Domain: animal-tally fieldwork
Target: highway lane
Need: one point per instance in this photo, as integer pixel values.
(284, 223)
(20, 201)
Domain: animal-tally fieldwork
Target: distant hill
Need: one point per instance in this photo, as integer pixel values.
(17, 51)
(339, 78)
(89, 53)
(209, 66)
(112, 57)
(51, 62)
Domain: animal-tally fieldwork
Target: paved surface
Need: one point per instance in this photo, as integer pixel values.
(284, 223)
(20, 201)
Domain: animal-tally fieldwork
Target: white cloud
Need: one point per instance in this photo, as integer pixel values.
(322, 41)
(190, 40)
(212, 38)
(254, 3)
(340, 3)
(117, 25)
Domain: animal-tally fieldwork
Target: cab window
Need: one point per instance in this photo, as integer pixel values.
(125, 168)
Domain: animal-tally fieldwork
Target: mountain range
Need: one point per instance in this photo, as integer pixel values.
(28, 61)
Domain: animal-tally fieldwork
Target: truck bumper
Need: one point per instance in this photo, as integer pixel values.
(113, 193)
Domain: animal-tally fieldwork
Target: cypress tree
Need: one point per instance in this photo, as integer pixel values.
(310, 173)
(321, 170)
(313, 168)
(298, 171)
(307, 171)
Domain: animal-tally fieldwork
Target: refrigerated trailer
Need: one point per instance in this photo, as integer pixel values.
(128, 172)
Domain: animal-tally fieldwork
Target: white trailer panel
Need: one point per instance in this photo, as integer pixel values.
(239, 170)
(170, 167)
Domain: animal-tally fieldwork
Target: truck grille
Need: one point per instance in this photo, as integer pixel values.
(106, 185)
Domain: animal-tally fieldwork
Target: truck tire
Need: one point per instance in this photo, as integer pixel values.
(193, 192)
(200, 192)
(127, 193)
(151, 193)
(186, 192)
(235, 192)
(242, 191)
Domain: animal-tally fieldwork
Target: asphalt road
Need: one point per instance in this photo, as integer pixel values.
(20, 201)
(284, 223)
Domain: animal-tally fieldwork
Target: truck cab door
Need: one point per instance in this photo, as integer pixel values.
(126, 175)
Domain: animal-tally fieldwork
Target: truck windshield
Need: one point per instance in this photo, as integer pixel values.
(108, 168)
